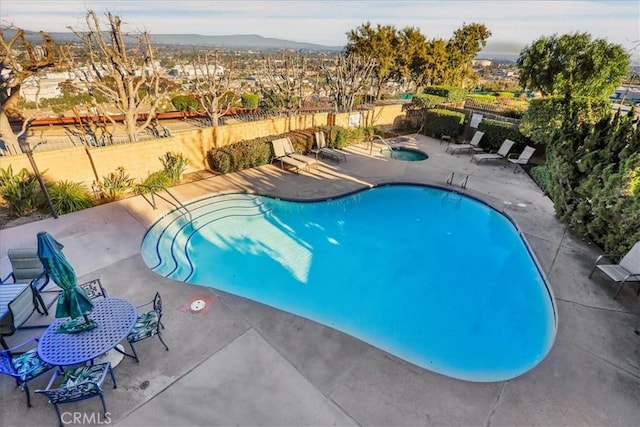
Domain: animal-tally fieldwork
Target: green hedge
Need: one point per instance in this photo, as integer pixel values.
(425, 100)
(450, 93)
(487, 99)
(542, 176)
(241, 155)
(258, 152)
(495, 132)
(440, 122)
(185, 103)
(250, 100)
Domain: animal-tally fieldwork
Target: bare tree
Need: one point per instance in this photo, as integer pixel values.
(347, 77)
(212, 85)
(281, 81)
(120, 70)
(19, 59)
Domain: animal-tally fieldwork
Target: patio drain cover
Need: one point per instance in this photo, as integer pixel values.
(198, 304)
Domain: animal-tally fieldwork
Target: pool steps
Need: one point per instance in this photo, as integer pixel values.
(167, 249)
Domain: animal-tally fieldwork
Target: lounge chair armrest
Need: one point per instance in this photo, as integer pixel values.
(607, 257)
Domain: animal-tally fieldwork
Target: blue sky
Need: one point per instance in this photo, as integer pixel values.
(326, 22)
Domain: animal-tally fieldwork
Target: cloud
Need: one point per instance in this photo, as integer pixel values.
(327, 22)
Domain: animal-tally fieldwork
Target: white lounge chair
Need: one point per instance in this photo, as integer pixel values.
(502, 153)
(473, 145)
(523, 158)
(280, 155)
(627, 270)
(325, 151)
(289, 151)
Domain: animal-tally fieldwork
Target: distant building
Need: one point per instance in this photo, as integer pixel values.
(191, 71)
(631, 93)
(482, 63)
(36, 88)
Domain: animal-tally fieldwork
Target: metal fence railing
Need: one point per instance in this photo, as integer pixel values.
(74, 137)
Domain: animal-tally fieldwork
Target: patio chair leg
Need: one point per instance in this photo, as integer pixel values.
(113, 378)
(135, 355)
(25, 387)
(60, 423)
(162, 341)
(619, 289)
(104, 405)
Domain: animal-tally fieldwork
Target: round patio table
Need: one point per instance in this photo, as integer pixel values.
(115, 318)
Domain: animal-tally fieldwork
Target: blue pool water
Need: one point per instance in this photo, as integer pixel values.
(402, 153)
(438, 279)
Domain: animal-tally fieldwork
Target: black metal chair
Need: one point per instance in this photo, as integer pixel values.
(147, 325)
(83, 382)
(24, 366)
(94, 289)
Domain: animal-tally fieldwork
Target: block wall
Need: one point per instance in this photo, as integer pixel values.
(90, 164)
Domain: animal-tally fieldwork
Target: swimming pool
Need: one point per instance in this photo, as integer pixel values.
(436, 278)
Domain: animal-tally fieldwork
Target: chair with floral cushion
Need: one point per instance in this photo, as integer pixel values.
(80, 383)
(94, 289)
(147, 325)
(23, 367)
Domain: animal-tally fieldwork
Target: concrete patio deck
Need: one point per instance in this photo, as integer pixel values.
(239, 362)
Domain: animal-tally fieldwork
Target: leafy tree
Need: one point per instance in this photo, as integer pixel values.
(420, 60)
(463, 47)
(544, 116)
(429, 67)
(593, 177)
(381, 44)
(572, 65)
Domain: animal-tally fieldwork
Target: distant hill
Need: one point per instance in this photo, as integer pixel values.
(495, 50)
(238, 41)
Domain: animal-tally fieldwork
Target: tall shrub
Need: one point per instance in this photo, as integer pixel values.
(250, 100)
(19, 190)
(440, 122)
(67, 196)
(449, 93)
(496, 131)
(185, 103)
(174, 165)
(593, 173)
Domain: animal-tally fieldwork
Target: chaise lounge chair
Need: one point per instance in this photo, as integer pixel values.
(473, 145)
(502, 153)
(289, 151)
(523, 158)
(627, 270)
(279, 154)
(325, 151)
